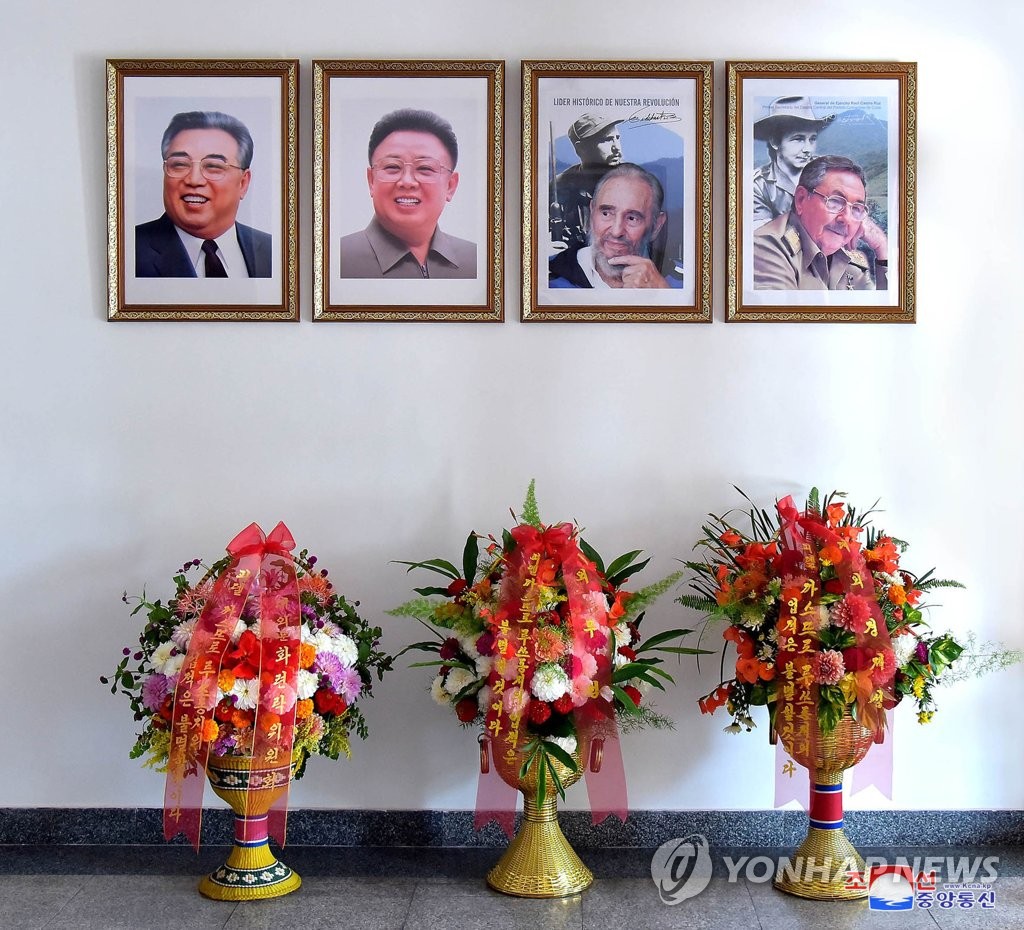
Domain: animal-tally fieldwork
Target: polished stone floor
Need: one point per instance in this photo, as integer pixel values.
(378, 888)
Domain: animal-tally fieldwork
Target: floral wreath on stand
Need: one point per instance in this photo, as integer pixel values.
(260, 653)
(537, 642)
(820, 592)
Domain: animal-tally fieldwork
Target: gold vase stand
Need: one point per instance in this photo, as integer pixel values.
(251, 872)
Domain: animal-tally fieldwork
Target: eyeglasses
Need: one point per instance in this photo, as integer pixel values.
(211, 168)
(836, 203)
(424, 170)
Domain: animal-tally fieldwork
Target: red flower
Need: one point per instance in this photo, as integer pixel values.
(711, 702)
(539, 712)
(628, 653)
(563, 705)
(223, 710)
(457, 586)
(467, 709)
(730, 538)
(634, 694)
(834, 586)
(449, 649)
(244, 660)
(327, 702)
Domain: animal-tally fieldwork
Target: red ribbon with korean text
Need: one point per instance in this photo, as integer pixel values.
(538, 556)
(264, 563)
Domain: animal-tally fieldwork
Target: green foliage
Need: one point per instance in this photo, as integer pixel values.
(530, 513)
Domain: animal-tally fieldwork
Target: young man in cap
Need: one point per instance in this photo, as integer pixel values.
(791, 132)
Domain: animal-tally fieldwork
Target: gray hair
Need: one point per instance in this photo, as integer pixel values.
(633, 172)
(210, 119)
(815, 170)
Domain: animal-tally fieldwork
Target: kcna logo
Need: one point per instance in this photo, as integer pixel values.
(681, 868)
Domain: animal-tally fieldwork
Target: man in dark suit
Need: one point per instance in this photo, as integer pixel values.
(206, 158)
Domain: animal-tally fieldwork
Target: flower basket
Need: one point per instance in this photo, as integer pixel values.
(536, 642)
(241, 676)
(829, 634)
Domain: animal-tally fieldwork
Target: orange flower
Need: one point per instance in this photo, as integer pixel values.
(242, 719)
(751, 669)
(307, 655)
(303, 709)
(832, 554)
(226, 680)
(835, 513)
(744, 644)
(619, 607)
(316, 585)
(547, 571)
(897, 595)
(210, 730)
(730, 538)
(711, 702)
(267, 720)
(749, 583)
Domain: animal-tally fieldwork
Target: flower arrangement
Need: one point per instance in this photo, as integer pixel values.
(338, 657)
(818, 599)
(537, 635)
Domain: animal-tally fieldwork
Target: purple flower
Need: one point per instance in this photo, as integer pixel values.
(329, 666)
(349, 685)
(922, 653)
(154, 690)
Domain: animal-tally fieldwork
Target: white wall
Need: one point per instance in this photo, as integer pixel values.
(128, 448)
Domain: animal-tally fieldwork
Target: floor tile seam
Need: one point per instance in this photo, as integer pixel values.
(409, 904)
(753, 905)
(68, 902)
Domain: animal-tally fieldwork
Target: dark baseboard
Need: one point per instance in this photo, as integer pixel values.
(643, 829)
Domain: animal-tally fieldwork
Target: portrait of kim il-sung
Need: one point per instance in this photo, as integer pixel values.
(203, 181)
(406, 191)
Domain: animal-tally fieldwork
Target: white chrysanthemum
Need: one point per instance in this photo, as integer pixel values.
(306, 635)
(483, 666)
(438, 693)
(468, 645)
(773, 635)
(904, 647)
(345, 648)
(549, 682)
(458, 678)
(307, 683)
(566, 743)
(619, 659)
(240, 627)
(823, 617)
(246, 692)
(167, 658)
(483, 698)
(622, 634)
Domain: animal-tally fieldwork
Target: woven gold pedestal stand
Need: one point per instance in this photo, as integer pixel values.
(820, 865)
(539, 862)
(251, 872)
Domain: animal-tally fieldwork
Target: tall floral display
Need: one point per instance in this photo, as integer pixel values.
(829, 633)
(241, 676)
(537, 642)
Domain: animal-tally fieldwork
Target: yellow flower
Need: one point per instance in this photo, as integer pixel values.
(919, 687)
(924, 716)
(848, 686)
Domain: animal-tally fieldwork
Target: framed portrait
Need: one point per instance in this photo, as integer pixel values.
(407, 190)
(821, 177)
(617, 191)
(201, 190)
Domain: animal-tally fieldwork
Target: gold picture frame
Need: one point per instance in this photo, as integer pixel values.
(379, 251)
(582, 119)
(791, 256)
(249, 210)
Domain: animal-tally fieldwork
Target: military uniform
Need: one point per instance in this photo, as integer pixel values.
(569, 201)
(772, 194)
(786, 258)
